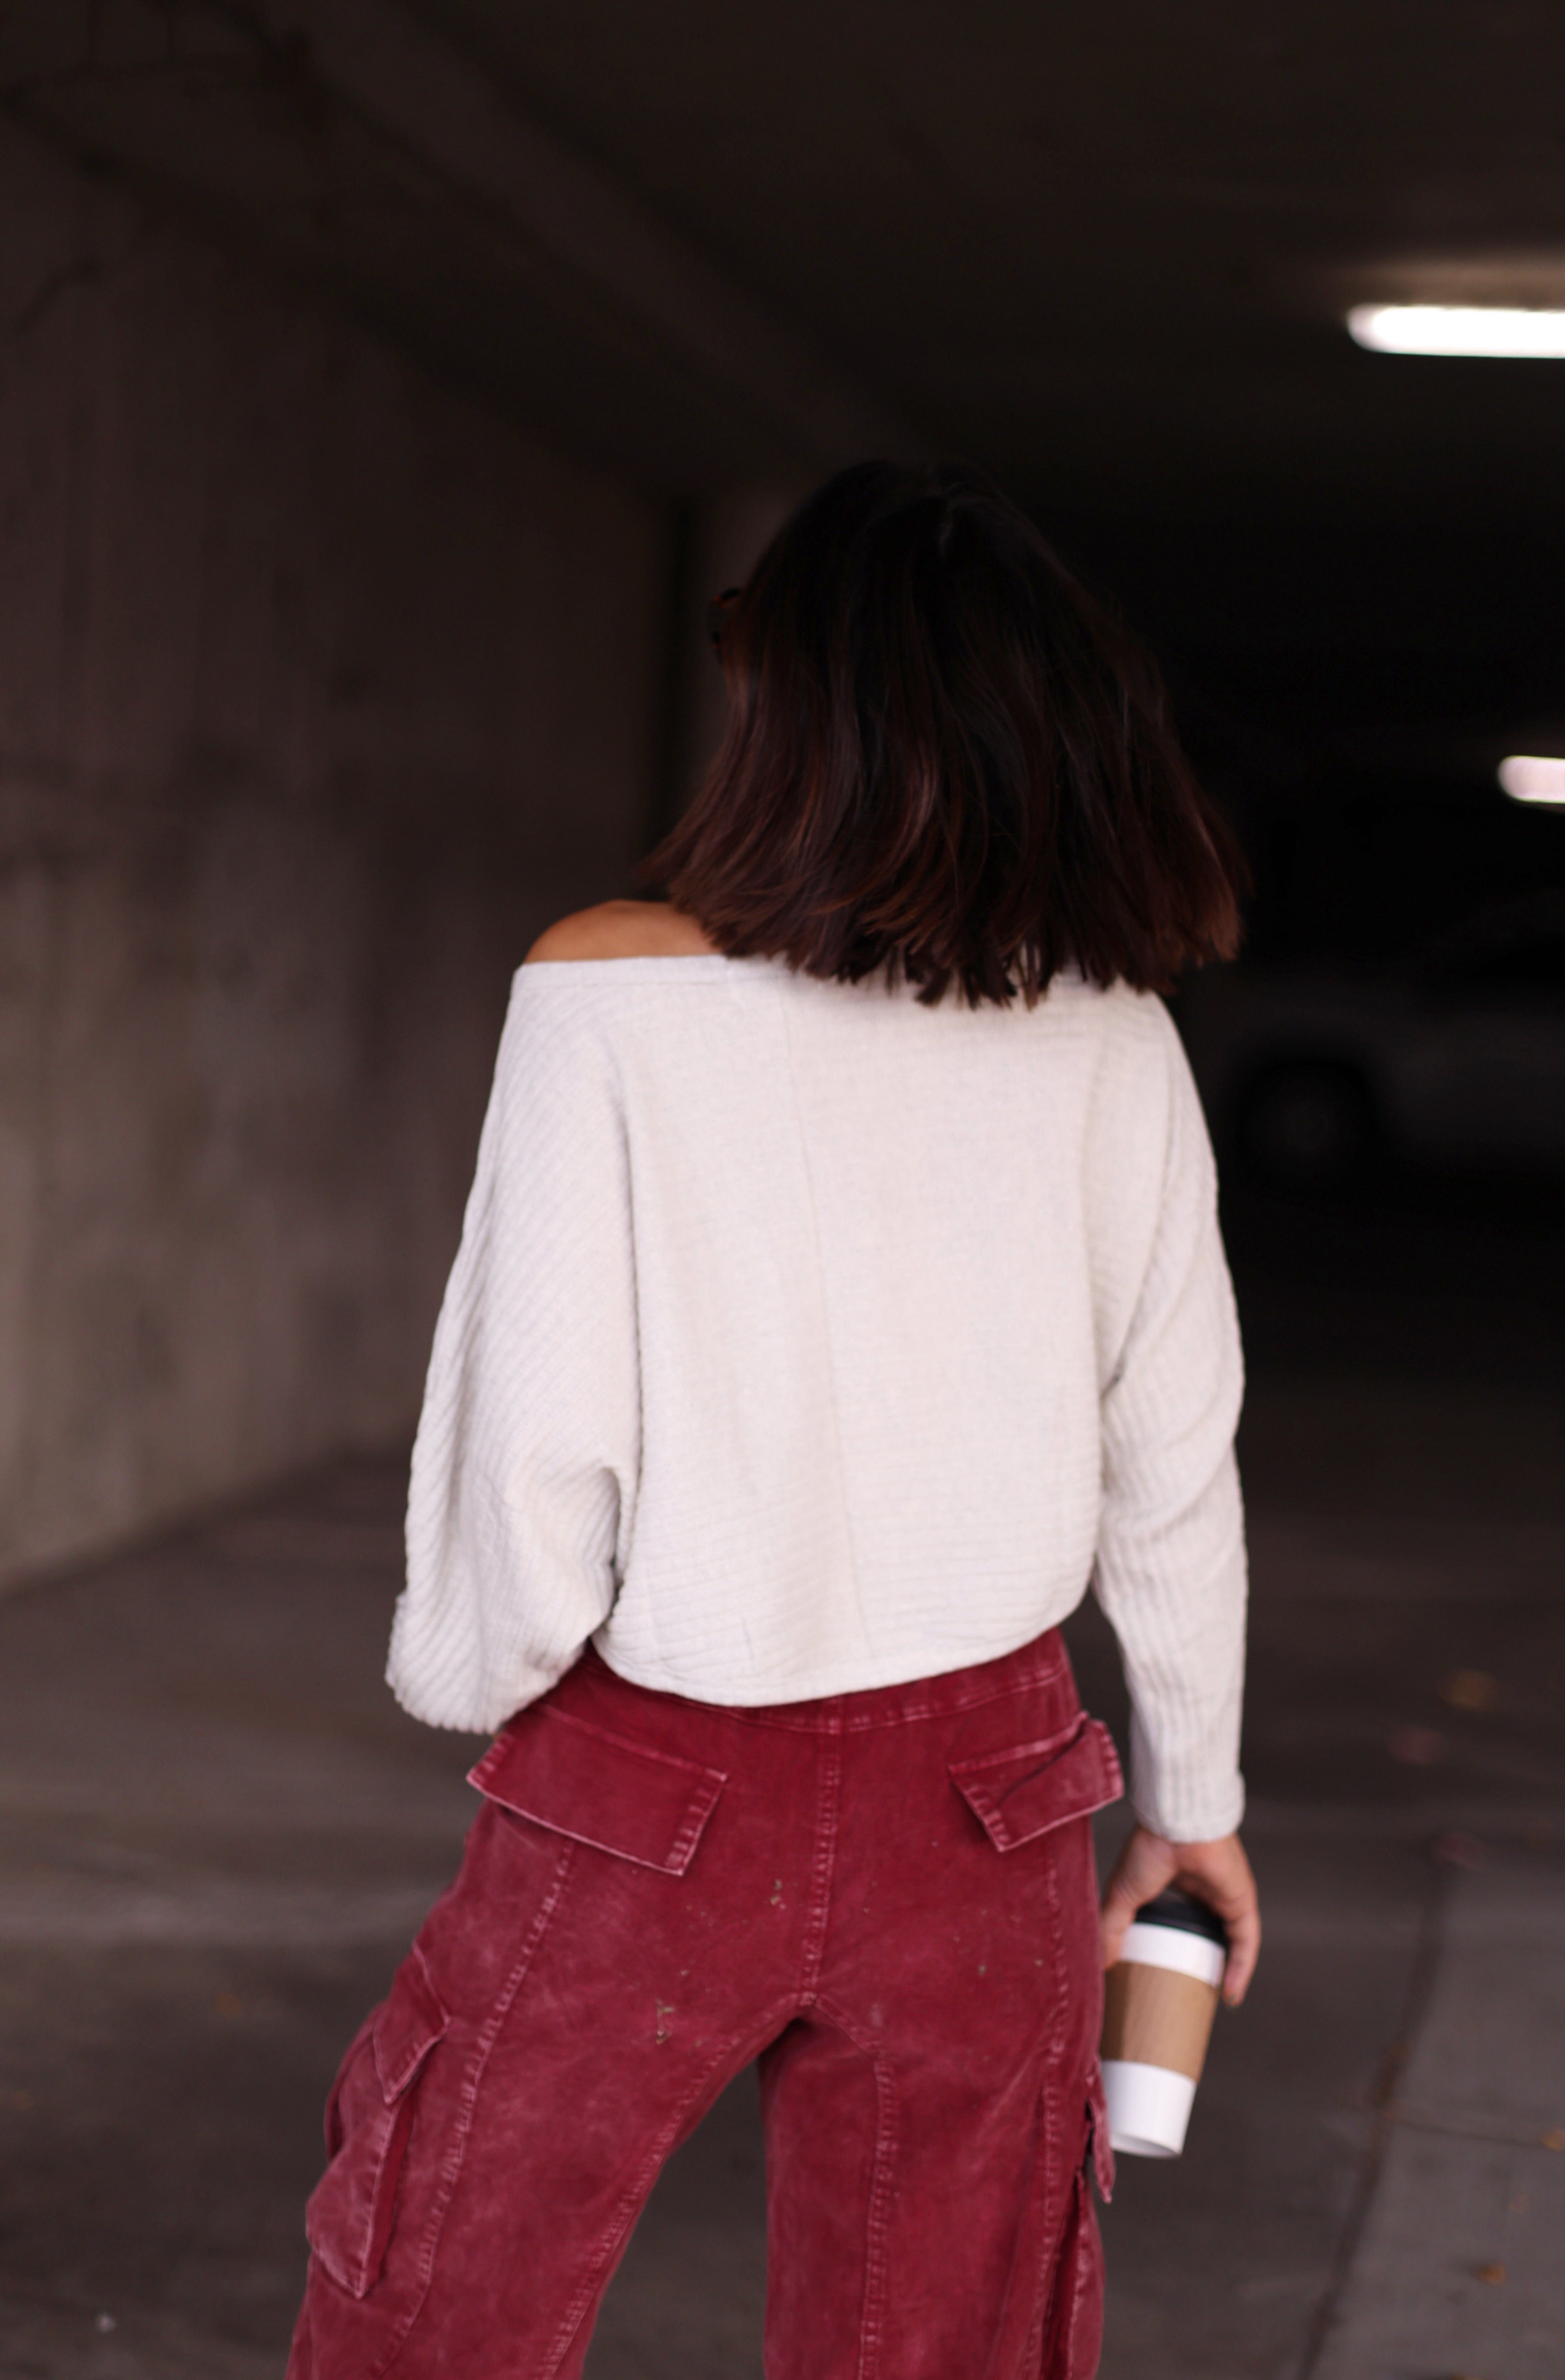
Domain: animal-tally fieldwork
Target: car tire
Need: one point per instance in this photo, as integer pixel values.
(1309, 1124)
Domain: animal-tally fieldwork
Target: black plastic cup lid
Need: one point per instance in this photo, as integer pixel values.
(1184, 1915)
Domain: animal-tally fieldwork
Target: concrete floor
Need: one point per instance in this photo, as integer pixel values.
(216, 1834)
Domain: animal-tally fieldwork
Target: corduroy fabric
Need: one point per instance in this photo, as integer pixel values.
(804, 1339)
(887, 1897)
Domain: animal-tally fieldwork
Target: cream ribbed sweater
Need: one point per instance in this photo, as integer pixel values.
(803, 1339)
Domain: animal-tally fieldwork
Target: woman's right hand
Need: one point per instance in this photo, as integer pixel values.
(1217, 1873)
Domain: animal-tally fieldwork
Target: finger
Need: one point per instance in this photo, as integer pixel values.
(1243, 1949)
(1219, 1875)
(1233, 1898)
(1142, 1870)
(1232, 1902)
(1113, 1924)
(1114, 1920)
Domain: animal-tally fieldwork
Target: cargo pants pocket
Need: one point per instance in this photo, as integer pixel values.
(1028, 1789)
(1073, 2326)
(1073, 2330)
(368, 2118)
(392, 2159)
(593, 1787)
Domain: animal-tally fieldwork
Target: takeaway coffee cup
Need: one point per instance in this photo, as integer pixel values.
(1158, 2003)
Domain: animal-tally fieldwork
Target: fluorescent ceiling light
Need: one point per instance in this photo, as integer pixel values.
(1527, 777)
(1460, 330)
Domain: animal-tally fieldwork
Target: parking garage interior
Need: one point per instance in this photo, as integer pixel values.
(385, 386)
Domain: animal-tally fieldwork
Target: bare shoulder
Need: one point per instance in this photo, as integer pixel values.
(622, 930)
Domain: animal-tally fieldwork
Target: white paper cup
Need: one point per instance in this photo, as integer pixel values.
(1160, 2003)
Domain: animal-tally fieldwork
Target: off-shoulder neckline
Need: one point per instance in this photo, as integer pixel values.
(636, 961)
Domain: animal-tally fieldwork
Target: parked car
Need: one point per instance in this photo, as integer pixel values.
(1455, 1057)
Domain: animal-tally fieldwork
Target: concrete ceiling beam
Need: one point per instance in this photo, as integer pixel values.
(415, 87)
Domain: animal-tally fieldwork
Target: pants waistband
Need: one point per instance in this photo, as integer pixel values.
(1039, 1662)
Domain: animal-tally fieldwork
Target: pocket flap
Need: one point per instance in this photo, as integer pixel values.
(1020, 1794)
(580, 1781)
(369, 2121)
(408, 2026)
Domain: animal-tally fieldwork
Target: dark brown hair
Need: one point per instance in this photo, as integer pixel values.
(944, 758)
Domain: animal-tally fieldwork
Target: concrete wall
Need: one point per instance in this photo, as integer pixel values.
(320, 690)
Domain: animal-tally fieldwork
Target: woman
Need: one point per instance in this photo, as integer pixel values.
(840, 1289)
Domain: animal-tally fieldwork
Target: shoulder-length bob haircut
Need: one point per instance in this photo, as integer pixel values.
(945, 758)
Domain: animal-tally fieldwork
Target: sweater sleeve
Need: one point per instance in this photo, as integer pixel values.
(1171, 1571)
(528, 1450)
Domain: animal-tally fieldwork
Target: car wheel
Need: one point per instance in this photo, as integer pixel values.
(1308, 1125)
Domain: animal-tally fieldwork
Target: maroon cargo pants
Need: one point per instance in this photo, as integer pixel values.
(888, 1898)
